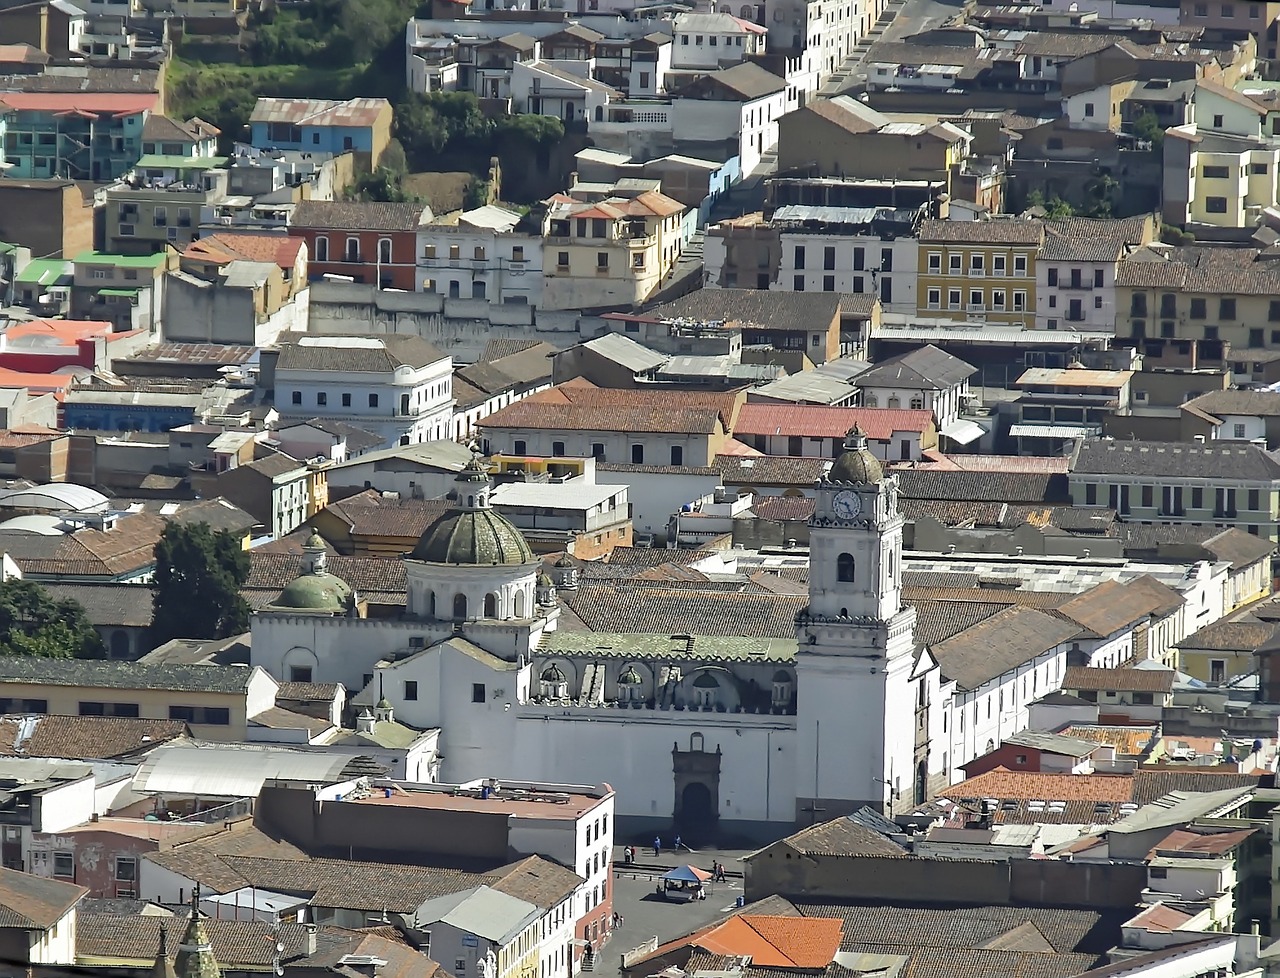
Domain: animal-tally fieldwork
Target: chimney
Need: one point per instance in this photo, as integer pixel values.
(309, 944)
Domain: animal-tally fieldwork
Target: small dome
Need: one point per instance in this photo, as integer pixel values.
(472, 536)
(553, 674)
(630, 677)
(544, 580)
(856, 464)
(315, 541)
(314, 592)
(706, 681)
(782, 676)
(564, 560)
(383, 703)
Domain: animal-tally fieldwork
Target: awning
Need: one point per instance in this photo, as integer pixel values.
(129, 292)
(963, 431)
(688, 874)
(1053, 430)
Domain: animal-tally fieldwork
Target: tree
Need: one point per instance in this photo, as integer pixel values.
(1147, 127)
(33, 624)
(1055, 208)
(199, 574)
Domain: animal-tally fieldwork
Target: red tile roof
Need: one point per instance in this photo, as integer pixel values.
(777, 942)
(819, 421)
(1200, 841)
(222, 248)
(1001, 783)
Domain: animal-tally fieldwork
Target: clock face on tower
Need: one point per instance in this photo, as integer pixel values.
(847, 504)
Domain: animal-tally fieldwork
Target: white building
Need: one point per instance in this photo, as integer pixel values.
(1076, 271)
(563, 89)
(396, 385)
(863, 250)
(704, 42)
(478, 254)
(732, 112)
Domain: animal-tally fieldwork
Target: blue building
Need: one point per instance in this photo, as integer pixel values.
(307, 125)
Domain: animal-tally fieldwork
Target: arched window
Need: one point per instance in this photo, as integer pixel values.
(844, 567)
(384, 250)
(895, 402)
(917, 402)
(491, 605)
(460, 607)
(519, 604)
(599, 113)
(747, 12)
(431, 604)
(870, 400)
(322, 248)
(892, 566)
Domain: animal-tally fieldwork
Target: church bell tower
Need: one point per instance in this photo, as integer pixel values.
(855, 705)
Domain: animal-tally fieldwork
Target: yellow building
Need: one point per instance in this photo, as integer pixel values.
(1223, 650)
(215, 701)
(609, 253)
(979, 270)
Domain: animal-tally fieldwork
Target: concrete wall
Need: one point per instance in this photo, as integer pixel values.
(908, 879)
(460, 327)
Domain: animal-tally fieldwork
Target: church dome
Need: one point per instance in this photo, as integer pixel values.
(706, 681)
(472, 533)
(856, 464)
(544, 580)
(320, 591)
(314, 540)
(630, 677)
(472, 536)
(564, 561)
(552, 674)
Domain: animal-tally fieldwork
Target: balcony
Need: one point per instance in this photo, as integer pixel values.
(1080, 286)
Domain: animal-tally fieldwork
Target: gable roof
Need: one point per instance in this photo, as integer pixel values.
(355, 112)
(850, 835)
(778, 942)
(746, 80)
(926, 367)
(360, 215)
(100, 738)
(820, 421)
(34, 902)
(997, 644)
(357, 353)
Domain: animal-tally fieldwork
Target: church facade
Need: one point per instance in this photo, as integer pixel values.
(751, 735)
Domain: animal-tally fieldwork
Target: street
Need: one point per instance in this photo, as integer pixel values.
(900, 19)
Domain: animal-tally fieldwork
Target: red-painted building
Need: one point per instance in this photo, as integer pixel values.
(1036, 750)
(368, 241)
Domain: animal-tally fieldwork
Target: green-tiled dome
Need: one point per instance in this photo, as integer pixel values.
(856, 463)
(706, 681)
(319, 591)
(472, 536)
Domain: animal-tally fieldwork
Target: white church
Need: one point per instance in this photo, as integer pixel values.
(752, 735)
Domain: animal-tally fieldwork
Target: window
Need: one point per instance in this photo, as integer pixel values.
(384, 250)
(64, 866)
(828, 283)
(299, 674)
(935, 262)
(1215, 205)
(998, 264)
(1090, 494)
(1202, 10)
(602, 261)
(213, 715)
(677, 455)
(346, 400)
(1020, 263)
(797, 283)
(953, 298)
(297, 397)
(1197, 498)
(1158, 872)
(637, 455)
(799, 256)
(886, 259)
(597, 450)
(845, 568)
(322, 398)
(860, 259)
(975, 299)
(1199, 309)
(1253, 498)
(410, 689)
(1217, 670)
(373, 400)
(1052, 276)
(126, 869)
(562, 259)
(828, 258)
(1088, 108)
(518, 447)
(1228, 10)
(976, 264)
(517, 253)
(1148, 493)
(935, 298)
(1256, 338)
(1019, 301)
(1227, 309)
(1259, 169)
(954, 263)
(477, 692)
(997, 299)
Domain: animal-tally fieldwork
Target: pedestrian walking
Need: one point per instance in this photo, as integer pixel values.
(657, 846)
(677, 843)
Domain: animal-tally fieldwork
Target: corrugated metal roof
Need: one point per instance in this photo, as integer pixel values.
(227, 771)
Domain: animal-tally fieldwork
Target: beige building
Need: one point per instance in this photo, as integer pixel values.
(609, 253)
(159, 203)
(845, 138)
(216, 702)
(1196, 301)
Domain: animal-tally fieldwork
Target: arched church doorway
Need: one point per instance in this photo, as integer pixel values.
(697, 809)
